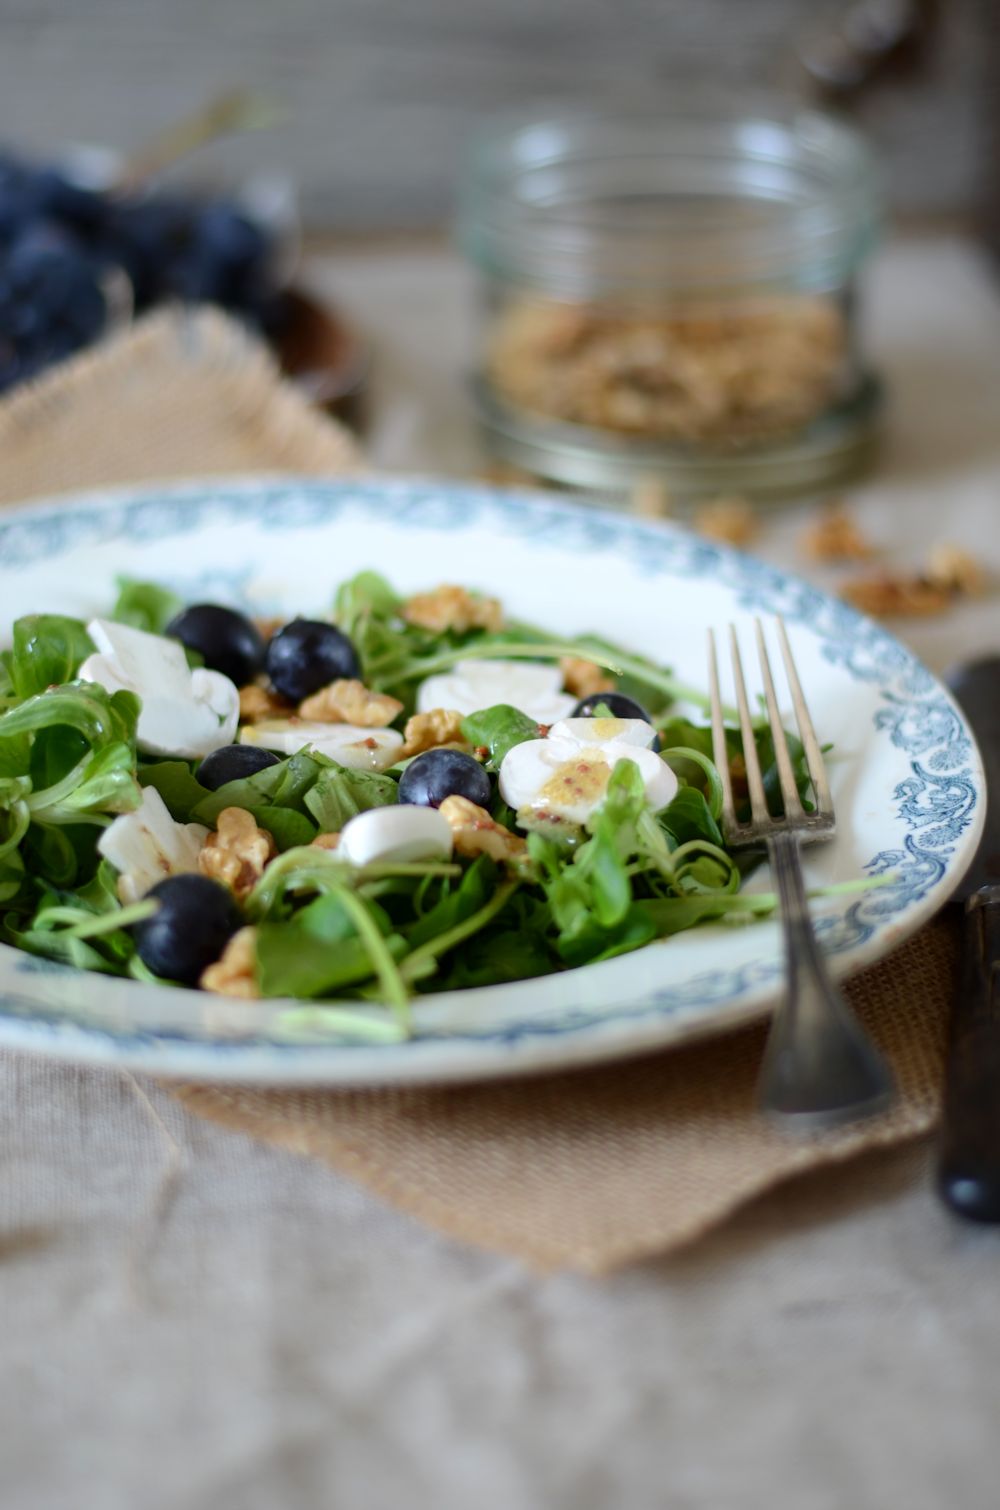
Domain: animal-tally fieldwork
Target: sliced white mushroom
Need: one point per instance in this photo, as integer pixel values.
(400, 833)
(187, 713)
(567, 774)
(349, 745)
(148, 845)
(471, 685)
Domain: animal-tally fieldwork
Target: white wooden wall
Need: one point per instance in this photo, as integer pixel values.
(381, 94)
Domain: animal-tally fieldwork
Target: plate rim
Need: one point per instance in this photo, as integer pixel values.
(430, 1059)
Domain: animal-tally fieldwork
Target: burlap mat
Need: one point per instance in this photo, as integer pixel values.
(178, 395)
(586, 1170)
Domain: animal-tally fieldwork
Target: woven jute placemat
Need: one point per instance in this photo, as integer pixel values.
(585, 1170)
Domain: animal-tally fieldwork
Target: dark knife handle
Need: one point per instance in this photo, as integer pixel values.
(969, 1167)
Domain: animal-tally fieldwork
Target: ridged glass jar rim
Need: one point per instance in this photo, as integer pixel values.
(591, 202)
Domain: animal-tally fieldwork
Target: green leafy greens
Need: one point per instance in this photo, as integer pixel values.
(324, 928)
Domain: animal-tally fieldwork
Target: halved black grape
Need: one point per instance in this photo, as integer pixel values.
(234, 763)
(308, 654)
(227, 641)
(438, 774)
(195, 920)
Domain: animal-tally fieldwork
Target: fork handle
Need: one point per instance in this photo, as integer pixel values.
(820, 1067)
(968, 1176)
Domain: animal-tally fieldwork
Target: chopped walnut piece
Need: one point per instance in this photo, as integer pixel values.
(237, 852)
(731, 521)
(582, 678)
(427, 731)
(836, 536)
(888, 596)
(325, 841)
(476, 833)
(953, 569)
(727, 371)
(350, 702)
(450, 607)
(235, 973)
(257, 703)
(650, 499)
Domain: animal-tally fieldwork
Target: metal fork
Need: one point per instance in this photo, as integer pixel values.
(820, 1067)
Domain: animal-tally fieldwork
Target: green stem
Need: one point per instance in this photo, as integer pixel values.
(618, 665)
(306, 1024)
(412, 965)
(711, 770)
(20, 819)
(383, 964)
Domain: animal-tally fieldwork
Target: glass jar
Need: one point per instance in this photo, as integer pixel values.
(672, 296)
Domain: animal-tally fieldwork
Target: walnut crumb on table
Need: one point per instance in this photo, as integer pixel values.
(235, 973)
(896, 595)
(237, 852)
(730, 521)
(950, 574)
(451, 607)
(836, 536)
(954, 569)
(348, 701)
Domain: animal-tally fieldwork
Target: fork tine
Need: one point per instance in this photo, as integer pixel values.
(755, 782)
(786, 775)
(814, 754)
(720, 752)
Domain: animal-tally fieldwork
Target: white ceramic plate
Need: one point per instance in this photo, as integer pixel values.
(906, 776)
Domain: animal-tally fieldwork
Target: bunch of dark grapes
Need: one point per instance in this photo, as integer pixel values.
(65, 248)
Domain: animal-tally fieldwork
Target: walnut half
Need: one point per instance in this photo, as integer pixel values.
(476, 833)
(451, 607)
(235, 973)
(583, 678)
(426, 731)
(348, 701)
(237, 852)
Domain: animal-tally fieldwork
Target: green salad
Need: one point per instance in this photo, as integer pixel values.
(415, 794)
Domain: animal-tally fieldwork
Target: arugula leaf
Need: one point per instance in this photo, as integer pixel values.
(145, 605)
(283, 785)
(339, 794)
(177, 785)
(669, 915)
(688, 817)
(48, 649)
(101, 717)
(102, 784)
(288, 828)
(500, 954)
(682, 733)
(7, 693)
(51, 854)
(499, 728)
(12, 876)
(365, 595)
(592, 942)
(457, 903)
(190, 802)
(589, 890)
(319, 950)
(15, 814)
